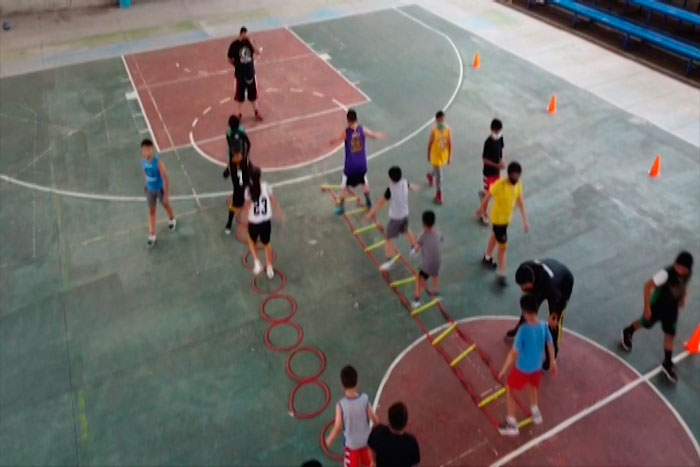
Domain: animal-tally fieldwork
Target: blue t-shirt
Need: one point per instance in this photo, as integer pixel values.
(530, 342)
(154, 181)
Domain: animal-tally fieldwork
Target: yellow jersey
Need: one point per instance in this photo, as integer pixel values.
(505, 195)
(440, 149)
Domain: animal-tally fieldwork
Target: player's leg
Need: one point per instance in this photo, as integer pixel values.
(365, 191)
(629, 331)
(394, 228)
(169, 209)
(253, 235)
(501, 233)
(533, 390)
(515, 383)
(436, 287)
(669, 327)
(151, 221)
(265, 235)
(231, 215)
(437, 176)
(239, 96)
(420, 277)
(340, 206)
(488, 258)
(253, 98)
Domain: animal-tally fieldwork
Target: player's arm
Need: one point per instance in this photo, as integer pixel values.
(372, 416)
(430, 144)
(166, 180)
(523, 212)
(380, 204)
(449, 147)
(339, 139)
(374, 134)
(510, 359)
(336, 427)
(552, 356)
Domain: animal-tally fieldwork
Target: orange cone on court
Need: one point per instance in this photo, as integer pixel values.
(656, 168)
(477, 61)
(693, 345)
(552, 105)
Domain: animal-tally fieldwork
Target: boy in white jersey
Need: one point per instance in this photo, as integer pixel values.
(257, 212)
(353, 414)
(397, 193)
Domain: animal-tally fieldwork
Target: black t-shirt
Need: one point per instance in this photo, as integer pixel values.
(493, 151)
(667, 296)
(393, 450)
(555, 288)
(241, 52)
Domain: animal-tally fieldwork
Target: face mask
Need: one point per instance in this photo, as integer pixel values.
(513, 181)
(496, 135)
(441, 126)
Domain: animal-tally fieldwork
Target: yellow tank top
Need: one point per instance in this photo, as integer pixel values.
(439, 151)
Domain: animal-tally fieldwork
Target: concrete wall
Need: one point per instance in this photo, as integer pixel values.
(15, 7)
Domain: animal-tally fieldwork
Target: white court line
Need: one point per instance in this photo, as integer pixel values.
(571, 420)
(224, 100)
(340, 104)
(328, 63)
(207, 110)
(194, 124)
(282, 183)
(138, 98)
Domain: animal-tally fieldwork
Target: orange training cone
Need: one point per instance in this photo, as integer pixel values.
(693, 345)
(656, 168)
(553, 105)
(477, 61)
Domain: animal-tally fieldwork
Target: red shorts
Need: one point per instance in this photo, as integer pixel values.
(488, 181)
(357, 457)
(518, 380)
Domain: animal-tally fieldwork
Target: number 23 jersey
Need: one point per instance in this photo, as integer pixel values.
(261, 210)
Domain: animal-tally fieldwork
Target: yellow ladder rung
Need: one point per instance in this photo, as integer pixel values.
(331, 187)
(462, 356)
(443, 335)
(492, 397)
(350, 199)
(356, 211)
(374, 246)
(401, 282)
(364, 229)
(525, 422)
(428, 305)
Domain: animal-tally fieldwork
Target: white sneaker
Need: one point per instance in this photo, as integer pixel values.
(536, 415)
(416, 303)
(227, 231)
(485, 219)
(508, 428)
(388, 264)
(172, 224)
(257, 267)
(413, 253)
(270, 271)
(151, 241)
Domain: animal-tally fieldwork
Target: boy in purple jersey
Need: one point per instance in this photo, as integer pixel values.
(355, 170)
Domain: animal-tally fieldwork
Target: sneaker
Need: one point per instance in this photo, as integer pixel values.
(510, 335)
(339, 210)
(413, 253)
(536, 415)
(151, 241)
(438, 198)
(258, 117)
(257, 267)
(436, 296)
(485, 219)
(416, 303)
(388, 264)
(171, 225)
(626, 340)
(269, 271)
(670, 371)
(508, 429)
(430, 179)
(501, 280)
(490, 263)
(227, 229)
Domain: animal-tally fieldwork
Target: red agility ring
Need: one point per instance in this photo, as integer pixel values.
(312, 350)
(326, 450)
(246, 258)
(255, 287)
(316, 413)
(269, 318)
(274, 348)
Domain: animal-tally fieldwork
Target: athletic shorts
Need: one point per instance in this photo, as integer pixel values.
(395, 227)
(518, 380)
(243, 88)
(261, 232)
(354, 180)
(501, 233)
(357, 457)
(490, 180)
(668, 320)
(152, 196)
(425, 275)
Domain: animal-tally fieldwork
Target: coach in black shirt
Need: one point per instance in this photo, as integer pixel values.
(241, 54)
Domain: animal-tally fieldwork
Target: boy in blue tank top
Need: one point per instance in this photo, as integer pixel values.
(353, 414)
(355, 168)
(157, 188)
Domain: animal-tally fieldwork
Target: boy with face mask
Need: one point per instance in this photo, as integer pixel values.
(492, 158)
(506, 194)
(664, 294)
(439, 153)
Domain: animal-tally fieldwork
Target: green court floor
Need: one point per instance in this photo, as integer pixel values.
(112, 354)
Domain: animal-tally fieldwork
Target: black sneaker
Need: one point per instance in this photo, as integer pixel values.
(489, 263)
(669, 371)
(545, 366)
(501, 280)
(510, 335)
(626, 340)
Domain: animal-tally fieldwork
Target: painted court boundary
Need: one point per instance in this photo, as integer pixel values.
(291, 181)
(641, 378)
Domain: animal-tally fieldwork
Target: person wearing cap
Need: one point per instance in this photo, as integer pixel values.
(550, 280)
(664, 294)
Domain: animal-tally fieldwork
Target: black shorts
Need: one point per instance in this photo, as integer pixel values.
(243, 87)
(501, 233)
(261, 231)
(353, 180)
(668, 320)
(424, 275)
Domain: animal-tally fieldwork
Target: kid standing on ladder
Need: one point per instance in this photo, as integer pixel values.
(439, 153)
